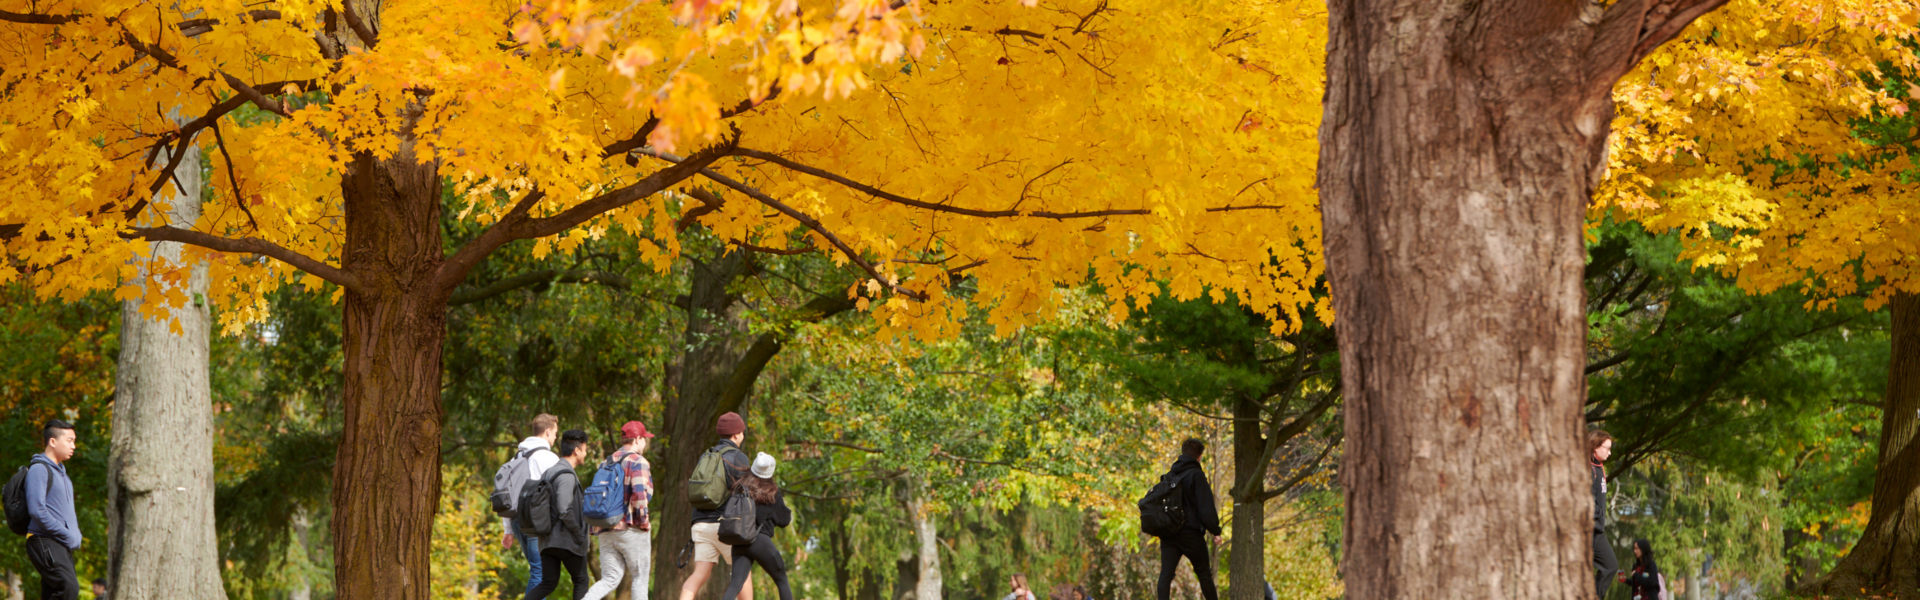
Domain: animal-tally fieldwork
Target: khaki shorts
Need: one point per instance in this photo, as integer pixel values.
(707, 547)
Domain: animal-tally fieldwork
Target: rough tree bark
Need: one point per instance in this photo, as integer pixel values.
(928, 584)
(1887, 557)
(1460, 143)
(1247, 564)
(161, 541)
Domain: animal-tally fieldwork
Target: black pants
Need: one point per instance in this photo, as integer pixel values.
(550, 563)
(1192, 545)
(55, 563)
(760, 551)
(1604, 564)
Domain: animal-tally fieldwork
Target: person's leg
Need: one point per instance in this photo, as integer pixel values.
(529, 547)
(697, 579)
(613, 565)
(54, 562)
(1169, 563)
(768, 555)
(639, 554)
(1604, 564)
(707, 552)
(1194, 546)
(549, 578)
(577, 568)
(742, 572)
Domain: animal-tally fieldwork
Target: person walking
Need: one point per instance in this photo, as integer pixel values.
(1202, 518)
(1599, 448)
(707, 548)
(53, 527)
(1645, 580)
(546, 428)
(1020, 589)
(567, 545)
(626, 548)
(770, 510)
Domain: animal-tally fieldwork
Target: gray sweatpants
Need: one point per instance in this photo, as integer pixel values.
(623, 552)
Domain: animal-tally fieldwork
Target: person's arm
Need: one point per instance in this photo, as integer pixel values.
(565, 486)
(1209, 513)
(782, 516)
(38, 510)
(1645, 579)
(640, 491)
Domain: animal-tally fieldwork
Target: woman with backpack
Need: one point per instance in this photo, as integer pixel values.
(770, 509)
(566, 543)
(1645, 580)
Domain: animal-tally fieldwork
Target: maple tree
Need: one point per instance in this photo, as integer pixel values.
(1017, 145)
(1778, 139)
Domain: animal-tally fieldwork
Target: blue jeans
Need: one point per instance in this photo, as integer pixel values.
(530, 546)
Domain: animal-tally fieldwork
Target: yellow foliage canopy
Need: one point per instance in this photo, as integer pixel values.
(1026, 144)
(1745, 136)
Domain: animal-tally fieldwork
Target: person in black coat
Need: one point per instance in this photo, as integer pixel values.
(1600, 447)
(567, 544)
(1191, 541)
(1645, 580)
(770, 509)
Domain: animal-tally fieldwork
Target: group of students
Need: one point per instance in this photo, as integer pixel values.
(626, 542)
(1645, 580)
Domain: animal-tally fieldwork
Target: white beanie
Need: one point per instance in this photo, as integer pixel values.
(763, 466)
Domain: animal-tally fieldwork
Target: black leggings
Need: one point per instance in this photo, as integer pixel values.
(760, 551)
(550, 563)
(1604, 564)
(1192, 545)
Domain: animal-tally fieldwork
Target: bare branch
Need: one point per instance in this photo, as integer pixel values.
(338, 276)
(709, 202)
(259, 99)
(898, 199)
(832, 443)
(609, 279)
(359, 26)
(38, 19)
(233, 179)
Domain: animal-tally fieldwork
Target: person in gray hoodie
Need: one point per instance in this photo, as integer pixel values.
(567, 544)
(53, 528)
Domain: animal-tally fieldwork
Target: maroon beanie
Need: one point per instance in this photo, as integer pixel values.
(730, 424)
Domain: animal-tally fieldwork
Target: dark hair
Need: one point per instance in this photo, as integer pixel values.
(1645, 561)
(761, 489)
(100, 581)
(544, 423)
(53, 429)
(1081, 591)
(572, 440)
(1193, 448)
(1597, 437)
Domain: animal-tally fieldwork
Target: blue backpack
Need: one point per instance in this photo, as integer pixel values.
(606, 498)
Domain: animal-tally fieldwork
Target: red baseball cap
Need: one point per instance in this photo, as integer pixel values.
(634, 429)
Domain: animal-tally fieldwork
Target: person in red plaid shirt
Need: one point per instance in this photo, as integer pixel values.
(627, 546)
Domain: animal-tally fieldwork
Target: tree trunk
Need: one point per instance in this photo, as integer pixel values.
(386, 478)
(1460, 142)
(1247, 559)
(161, 541)
(928, 584)
(302, 588)
(715, 341)
(1887, 557)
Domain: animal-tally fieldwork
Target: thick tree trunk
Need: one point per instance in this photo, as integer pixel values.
(1460, 142)
(1247, 560)
(1887, 557)
(715, 341)
(161, 541)
(386, 479)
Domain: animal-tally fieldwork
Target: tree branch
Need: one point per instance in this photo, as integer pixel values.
(609, 279)
(792, 442)
(38, 19)
(338, 276)
(359, 26)
(1631, 30)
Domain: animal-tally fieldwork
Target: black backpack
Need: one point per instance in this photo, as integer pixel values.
(536, 514)
(1163, 511)
(739, 525)
(14, 497)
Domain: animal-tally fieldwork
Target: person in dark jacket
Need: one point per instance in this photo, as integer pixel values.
(567, 545)
(1191, 541)
(707, 548)
(1599, 447)
(770, 509)
(1645, 580)
(53, 527)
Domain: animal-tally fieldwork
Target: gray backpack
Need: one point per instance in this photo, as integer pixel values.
(508, 481)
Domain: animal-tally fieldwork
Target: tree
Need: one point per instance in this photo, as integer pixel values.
(1460, 143)
(1780, 145)
(160, 492)
(1149, 145)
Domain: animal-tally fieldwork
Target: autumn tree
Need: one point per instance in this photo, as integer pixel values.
(1778, 141)
(1460, 143)
(1025, 146)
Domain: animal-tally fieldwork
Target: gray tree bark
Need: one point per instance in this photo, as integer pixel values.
(161, 540)
(928, 585)
(1460, 143)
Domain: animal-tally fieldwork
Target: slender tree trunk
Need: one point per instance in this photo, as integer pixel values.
(715, 341)
(386, 478)
(842, 550)
(14, 589)
(1887, 557)
(1247, 560)
(302, 587)
(1460, 143)
(161, 541)
(928, 585)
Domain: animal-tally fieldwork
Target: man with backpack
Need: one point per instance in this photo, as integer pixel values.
(714, 478)
(1202, 518)
(626, 546)
(534, 457)
(53, 528)
(555, 516)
